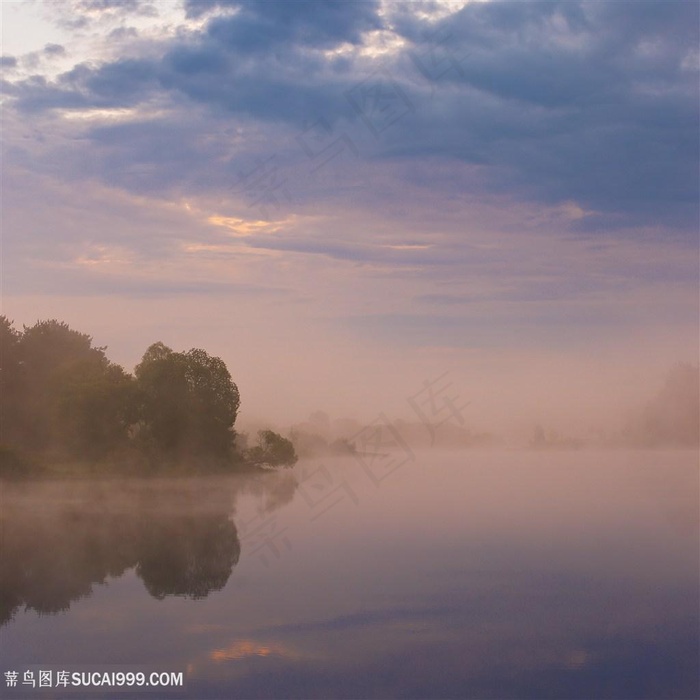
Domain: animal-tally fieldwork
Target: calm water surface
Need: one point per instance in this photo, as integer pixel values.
(470, 575)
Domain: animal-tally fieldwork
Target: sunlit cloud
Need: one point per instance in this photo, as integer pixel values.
(245, 227)
(110, 115)
(227, 250)
(101, 256)
(409, 246)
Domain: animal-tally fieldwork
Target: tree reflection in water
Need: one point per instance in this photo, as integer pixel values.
(58, 540)
(188, 556)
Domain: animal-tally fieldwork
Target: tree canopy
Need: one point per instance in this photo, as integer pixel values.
(61, 393)
(189, 402)
(272, 450)
(61, 398)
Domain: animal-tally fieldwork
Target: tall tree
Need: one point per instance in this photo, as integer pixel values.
(11, 381)
(95, 409)
(189, 402)
(63, 393)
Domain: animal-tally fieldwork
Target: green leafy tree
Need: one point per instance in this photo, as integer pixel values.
(60, 393)
(50, 350)
(95, 409)
(189, 402)
(11, 381)
(163, 392)
(273, 450)
(215, 401)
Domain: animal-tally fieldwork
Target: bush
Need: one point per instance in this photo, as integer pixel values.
(272, 450)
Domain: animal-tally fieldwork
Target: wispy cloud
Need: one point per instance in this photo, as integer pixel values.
(420, 175)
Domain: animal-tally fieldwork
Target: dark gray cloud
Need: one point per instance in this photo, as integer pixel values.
(54, 50)
(556, 101)
(595, 102)
(8, 62)
(263, 25)
(122, 33)
(101, 5)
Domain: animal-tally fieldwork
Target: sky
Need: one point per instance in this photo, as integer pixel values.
(347, 201)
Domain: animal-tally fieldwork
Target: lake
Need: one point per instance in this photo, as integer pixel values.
(475, 574)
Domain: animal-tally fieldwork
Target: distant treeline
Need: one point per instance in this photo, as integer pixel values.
(62, 401)
(672, 417)
(669, 419)
(321, 436)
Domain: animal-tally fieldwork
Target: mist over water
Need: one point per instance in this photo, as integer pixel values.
(62, 540)
(489, 573)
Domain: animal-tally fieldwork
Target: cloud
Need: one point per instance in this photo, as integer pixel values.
(96, 8)
(80, 281)
(557, 101)
(54, 50)
(106, 5)
(565, 100)
(263, 25)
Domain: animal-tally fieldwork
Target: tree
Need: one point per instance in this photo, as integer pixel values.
(188, 554)
(61, 397)
(672, 417)
(215, 401)
(95, 409)
(273, 450)
(11, 381)
(189, 402)
(61, 393)
(163, 393)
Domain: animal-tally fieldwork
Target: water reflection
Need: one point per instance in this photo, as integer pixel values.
(504, 575)
(60, 540)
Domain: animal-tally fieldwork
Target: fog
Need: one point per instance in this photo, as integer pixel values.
(61, 540)
(592, 394)
(351, 578)
(569, 402)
